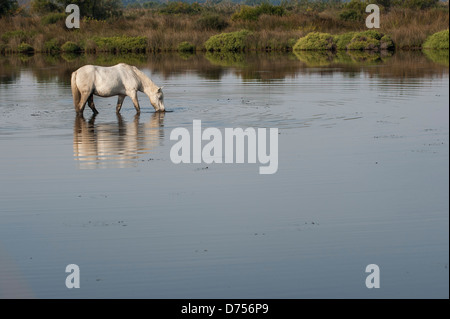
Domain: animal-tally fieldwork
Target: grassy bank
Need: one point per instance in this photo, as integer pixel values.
(272, 28)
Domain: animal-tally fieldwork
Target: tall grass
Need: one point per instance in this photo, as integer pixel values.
(164, 31)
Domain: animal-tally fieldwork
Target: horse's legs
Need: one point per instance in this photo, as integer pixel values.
(91, 104)
(133, 97)
(82, 104)
(119, 102)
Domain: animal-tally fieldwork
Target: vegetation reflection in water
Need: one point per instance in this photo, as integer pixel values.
(248, 66)
(122, 143)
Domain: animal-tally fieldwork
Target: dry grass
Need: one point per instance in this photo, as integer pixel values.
(408, 28)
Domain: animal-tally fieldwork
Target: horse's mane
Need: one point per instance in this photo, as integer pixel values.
(144, 79)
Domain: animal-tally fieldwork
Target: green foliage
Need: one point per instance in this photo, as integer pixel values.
(247, 13)
(52, 46)
(70, 47)
(20, 35)
(315, 41)
(353, 11)
(96, 9)
(342, 40)
(8, 7)
(439, 40)
(53, 18)
(118, 44)
(186, 47)
(181, 8)
(366, 40)
(386, 43)
(45, 6)
(350, 15)
(212, 22)
(25, 48)
(233, 41)
(370, 40)
(415, 4)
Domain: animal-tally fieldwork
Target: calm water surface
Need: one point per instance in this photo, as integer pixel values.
(362, 179)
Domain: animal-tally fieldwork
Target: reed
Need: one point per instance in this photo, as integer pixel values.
(165, 30)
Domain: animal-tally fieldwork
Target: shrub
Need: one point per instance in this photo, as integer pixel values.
(366, 40)
(118, 44)
(353, 11)
(233, 41)
(44, 6)
(52, 46)
(415, 4)
(350, 15)
(315, 41)
(370, 40)
(21, 35)
(25, 48)
(186, 47)
(181, 8)
(70, 46)
(53, 18)
(8, 7)
(247, 13)
(439, 40)
(342, 40)
(212, 22)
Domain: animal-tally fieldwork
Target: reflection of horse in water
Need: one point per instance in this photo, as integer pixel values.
(115, 144)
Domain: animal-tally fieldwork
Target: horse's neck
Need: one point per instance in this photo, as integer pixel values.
(147, 85)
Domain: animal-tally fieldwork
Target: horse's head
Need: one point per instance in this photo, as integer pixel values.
(157, 99)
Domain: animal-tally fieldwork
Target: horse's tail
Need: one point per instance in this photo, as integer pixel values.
(75, 92)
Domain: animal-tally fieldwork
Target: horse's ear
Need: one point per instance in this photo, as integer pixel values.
(159, 89)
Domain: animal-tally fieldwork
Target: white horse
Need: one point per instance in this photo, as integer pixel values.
(121, 79)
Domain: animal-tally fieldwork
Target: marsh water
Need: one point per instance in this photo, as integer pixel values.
(362, 179)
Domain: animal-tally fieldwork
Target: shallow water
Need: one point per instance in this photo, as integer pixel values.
(362, 179)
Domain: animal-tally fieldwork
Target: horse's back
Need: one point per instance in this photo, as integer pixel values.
(106, 81)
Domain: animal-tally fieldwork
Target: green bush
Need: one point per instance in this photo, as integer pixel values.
(25, 48)
(353, 10)
(370, 40)
(53, 18)
(247, 13)
(315, 41)
(180, 8)
(185, 47)
(386, 43)
(233, 41)
(70, 47)
(44, 6)
(212, 22)
(366, 40)
(439, 40)
(8, 7)
(52, 46)
(118, 44)
(350, 15)
(342, 40)
(415, 4)
(21, 35)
